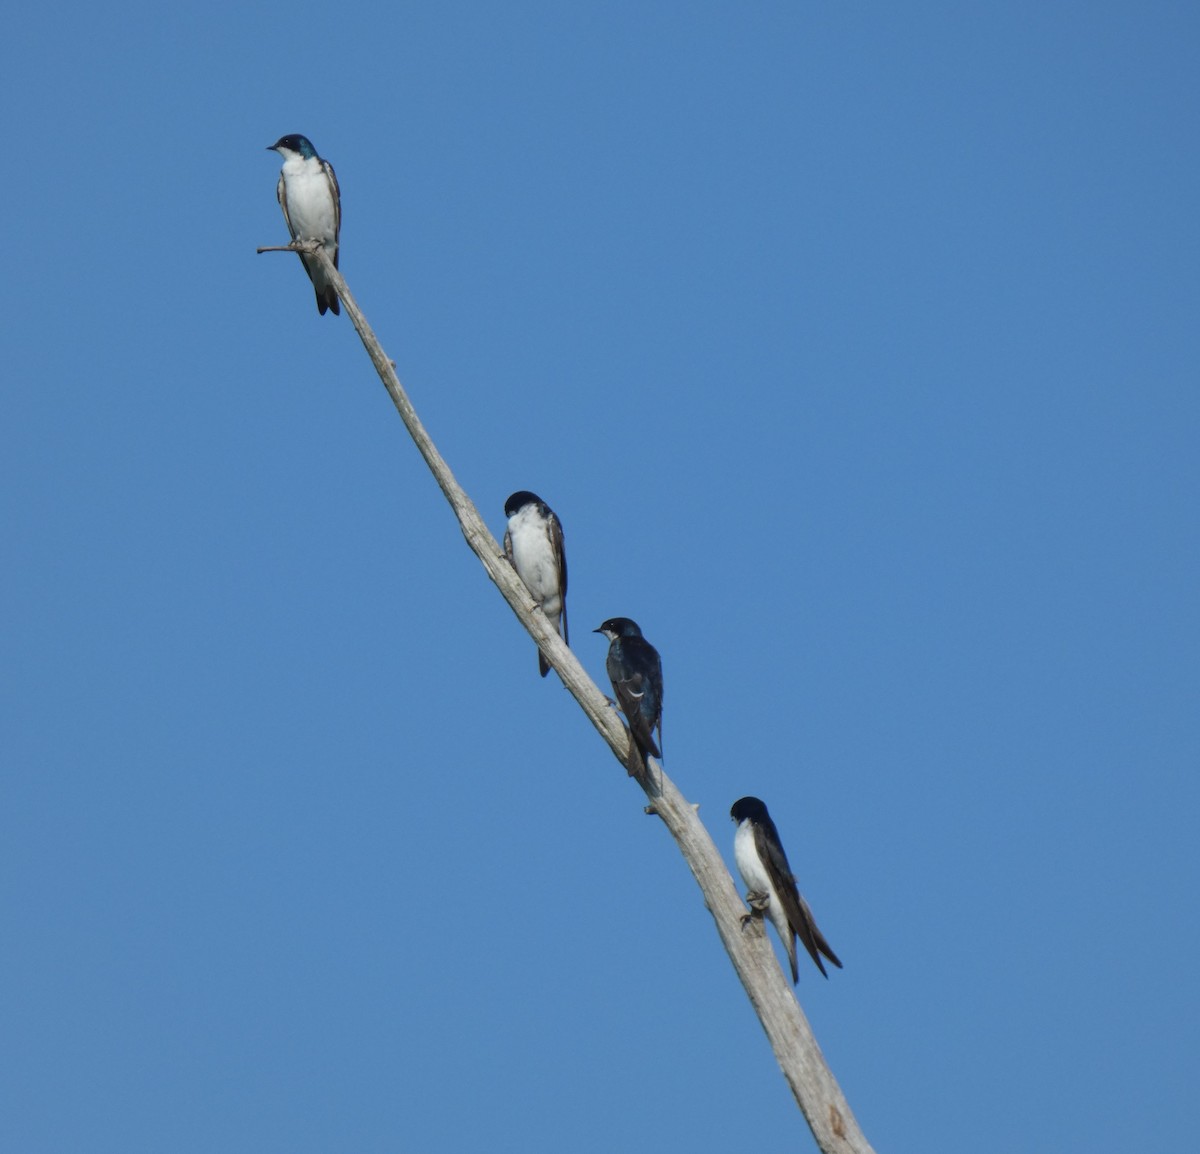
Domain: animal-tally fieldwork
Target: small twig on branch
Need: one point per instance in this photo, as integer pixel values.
(811, 1081)
(304, 246)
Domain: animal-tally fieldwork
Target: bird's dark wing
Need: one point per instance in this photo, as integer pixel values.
(560, 559)
(281, 193)
(631, 692)
(652, 702)
(813, 939)
(799, 916)
(331, 176)
(330, 298)
(508, 547)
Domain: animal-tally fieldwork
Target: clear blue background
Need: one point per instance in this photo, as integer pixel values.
(857, 348)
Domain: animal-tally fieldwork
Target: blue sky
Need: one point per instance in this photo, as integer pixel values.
(856, 347)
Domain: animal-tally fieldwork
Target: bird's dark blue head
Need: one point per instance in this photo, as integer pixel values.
(616, 627)
(519, 500)
(748, 807)
(293, 142)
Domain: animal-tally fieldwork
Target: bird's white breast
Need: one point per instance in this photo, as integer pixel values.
(534, 557)
(749, 865)
(310, 200)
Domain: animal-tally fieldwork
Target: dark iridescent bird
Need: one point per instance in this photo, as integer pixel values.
(312, 206)
(771, 886)
(533, 543)
(635, 670)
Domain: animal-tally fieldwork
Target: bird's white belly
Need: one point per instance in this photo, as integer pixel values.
(748, 863)
(536, 563)
(310, 204)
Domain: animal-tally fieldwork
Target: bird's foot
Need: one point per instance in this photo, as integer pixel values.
(758, 904)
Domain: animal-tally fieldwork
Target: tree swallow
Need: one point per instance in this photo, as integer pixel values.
(533, 544)
(771, 887)
(635, 670)
(312, 206)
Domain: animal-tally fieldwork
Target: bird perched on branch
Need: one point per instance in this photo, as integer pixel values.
(635, 670)
(533, 544)
(771, 886)
(312, 206)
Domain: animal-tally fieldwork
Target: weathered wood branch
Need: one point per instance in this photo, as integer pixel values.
(811, 1081)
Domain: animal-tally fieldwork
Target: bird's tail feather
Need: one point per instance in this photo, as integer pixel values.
(790, 942)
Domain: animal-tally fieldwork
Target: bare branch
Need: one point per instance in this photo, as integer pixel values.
(812, 1083)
